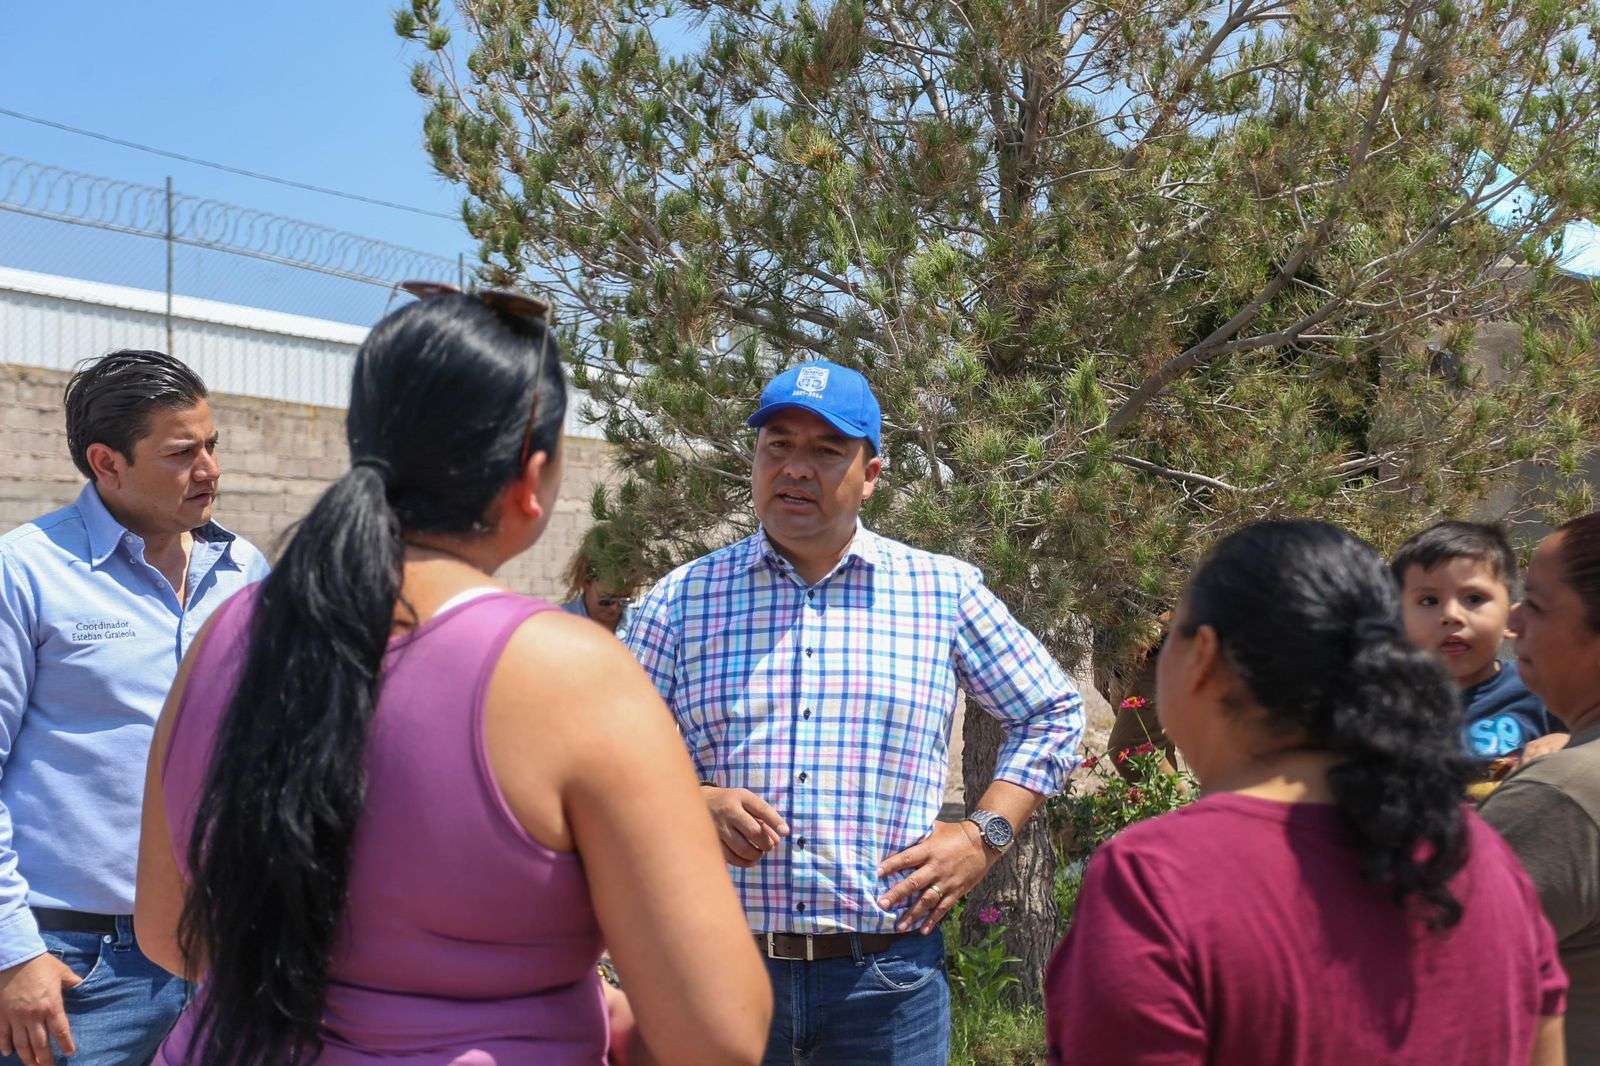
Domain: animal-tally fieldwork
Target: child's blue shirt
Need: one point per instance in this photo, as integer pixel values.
(1502, 715)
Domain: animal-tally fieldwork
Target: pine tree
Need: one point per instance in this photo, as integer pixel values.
(1125, 274)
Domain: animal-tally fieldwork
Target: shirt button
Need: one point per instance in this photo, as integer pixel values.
(806, 713)
(801, 907)
(808, 653)
(802, 777)
(801, 843)
(811, 594)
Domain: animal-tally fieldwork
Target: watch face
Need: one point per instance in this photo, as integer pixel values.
(997, 832)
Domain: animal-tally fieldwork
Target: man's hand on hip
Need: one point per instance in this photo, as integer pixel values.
(747, 826)
(945, 865)
(31, 1011)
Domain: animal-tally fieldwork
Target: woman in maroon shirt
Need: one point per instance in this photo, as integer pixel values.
(1329, 900)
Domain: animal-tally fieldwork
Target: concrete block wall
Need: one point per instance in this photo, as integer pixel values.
(276, 459)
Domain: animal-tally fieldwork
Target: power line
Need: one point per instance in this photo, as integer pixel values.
(36, 120)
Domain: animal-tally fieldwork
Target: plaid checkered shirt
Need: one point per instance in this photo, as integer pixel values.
(834, 703)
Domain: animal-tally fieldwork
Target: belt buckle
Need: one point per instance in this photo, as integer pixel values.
(772, 948)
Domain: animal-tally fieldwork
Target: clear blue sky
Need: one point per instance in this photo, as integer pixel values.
(307, 89)
(313, 91)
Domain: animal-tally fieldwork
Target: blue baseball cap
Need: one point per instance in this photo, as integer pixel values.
(838, 395)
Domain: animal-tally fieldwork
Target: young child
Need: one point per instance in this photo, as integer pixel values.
(1456, 582)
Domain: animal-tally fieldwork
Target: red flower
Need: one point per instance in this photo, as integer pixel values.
(1134, 794)
(1144, 749)
(1122, 756)
(1133, 703)
(1089, 763)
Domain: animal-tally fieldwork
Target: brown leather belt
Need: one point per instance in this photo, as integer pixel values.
(809, 947)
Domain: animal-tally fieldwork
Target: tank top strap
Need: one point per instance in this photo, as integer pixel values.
(484, 619)
(472, 632)
(451, 662)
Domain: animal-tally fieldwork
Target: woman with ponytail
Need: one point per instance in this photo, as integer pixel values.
(1329, 900)
(391, 814)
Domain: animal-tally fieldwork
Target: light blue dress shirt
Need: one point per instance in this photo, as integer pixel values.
(91, 636)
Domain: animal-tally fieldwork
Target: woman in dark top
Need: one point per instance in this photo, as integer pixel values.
(1330, 900)
(1549, 810)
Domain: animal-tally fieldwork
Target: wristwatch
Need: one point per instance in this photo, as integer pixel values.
(993, 828)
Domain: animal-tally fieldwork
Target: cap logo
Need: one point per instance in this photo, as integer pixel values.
(811, 380)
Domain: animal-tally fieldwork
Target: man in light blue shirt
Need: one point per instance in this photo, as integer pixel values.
(98, 603)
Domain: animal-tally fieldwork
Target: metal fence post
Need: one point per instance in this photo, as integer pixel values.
(170, 350)
(461, 271)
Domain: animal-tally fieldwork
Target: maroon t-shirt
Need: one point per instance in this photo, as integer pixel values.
(1239, 931)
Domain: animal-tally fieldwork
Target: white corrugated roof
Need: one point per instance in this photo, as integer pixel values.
(189, 308)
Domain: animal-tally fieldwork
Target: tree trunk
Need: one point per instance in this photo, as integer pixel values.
(1022, 883)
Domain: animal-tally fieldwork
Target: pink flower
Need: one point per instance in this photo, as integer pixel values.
(1133, 703)
(1144, 749)
(989, 915)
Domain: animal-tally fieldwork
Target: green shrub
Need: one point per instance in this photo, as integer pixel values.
(984, 1029)
(1082, 820)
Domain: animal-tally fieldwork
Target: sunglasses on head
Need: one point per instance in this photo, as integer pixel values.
(515, 304)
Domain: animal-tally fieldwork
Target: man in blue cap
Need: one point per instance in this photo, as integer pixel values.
(813, 669)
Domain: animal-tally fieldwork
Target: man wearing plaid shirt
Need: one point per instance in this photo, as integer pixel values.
(813, 670)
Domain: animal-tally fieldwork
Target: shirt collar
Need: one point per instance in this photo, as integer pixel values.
(863, 549)
(105, 532)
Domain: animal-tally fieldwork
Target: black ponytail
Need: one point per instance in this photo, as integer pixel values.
(1309, 618)
(438, 424)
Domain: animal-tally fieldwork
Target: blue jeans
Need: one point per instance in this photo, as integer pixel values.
(889, 1009)
(121, 1012)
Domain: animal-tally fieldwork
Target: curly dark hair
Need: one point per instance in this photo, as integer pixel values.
(1308, 617)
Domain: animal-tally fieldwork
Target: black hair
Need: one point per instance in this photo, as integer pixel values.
(1309, 619)
(1580, 563)
(109, 400)
(1443, 541)
(439, 423)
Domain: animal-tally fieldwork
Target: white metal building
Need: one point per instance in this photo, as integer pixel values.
(52, 321)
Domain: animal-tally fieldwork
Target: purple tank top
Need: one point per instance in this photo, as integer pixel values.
(466, 942)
